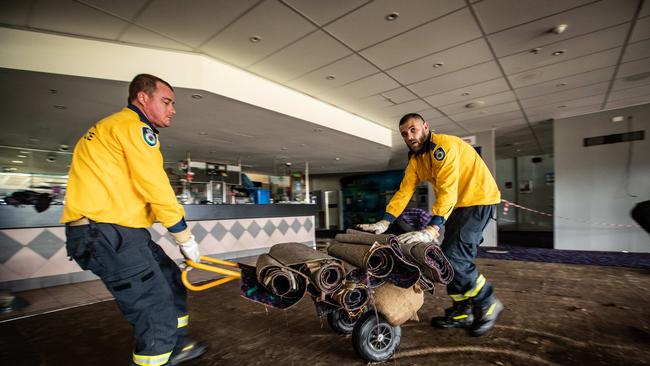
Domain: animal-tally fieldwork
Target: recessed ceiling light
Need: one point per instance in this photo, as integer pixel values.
(197, 96)
(618, 119)
(202, 133)
(465, 94)
(64, 147)
(284, 148)
(58, 106)
(475, 104)
(255, 39)
(302, 145)
(9, 169)
(559, 29)
(17, 161)
(535, 50)
(559, 85)
(558, 52)
(561, 106)
(24, 152)
(438, 64)
(21, 156)
(392, 16)
(330, 77)
(54, 91)
(337, 158)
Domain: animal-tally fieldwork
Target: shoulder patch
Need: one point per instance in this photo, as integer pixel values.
(149, 136)
(439, 154)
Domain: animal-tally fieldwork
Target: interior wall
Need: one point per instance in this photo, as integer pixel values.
(506, 173)
(601, 183)
(534, 191)
(486, 141)
(531, 185)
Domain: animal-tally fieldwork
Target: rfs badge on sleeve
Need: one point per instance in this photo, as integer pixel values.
(439, 154)
(149, 136)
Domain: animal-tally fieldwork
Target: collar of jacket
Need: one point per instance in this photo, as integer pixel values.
(143, 118)
(428, 146)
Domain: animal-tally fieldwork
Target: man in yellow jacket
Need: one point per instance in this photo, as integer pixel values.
(466, 199)
(116, 189)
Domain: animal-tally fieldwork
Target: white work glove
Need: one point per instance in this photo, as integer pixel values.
(190, 250)
(377, 228)
(428, 235)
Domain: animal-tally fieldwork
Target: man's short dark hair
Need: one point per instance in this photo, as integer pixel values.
(145, 83)
(409, 116)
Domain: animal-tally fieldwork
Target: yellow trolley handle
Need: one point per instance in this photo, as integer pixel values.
(210, 267)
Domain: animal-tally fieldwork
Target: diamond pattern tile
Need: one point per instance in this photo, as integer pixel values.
(46, 244)
(269, 228)
(237, 230)
(283, 227)
(295, 225)
(218, 231)
(199, 232)
(254, 229)
(8, 247)
(308, 224)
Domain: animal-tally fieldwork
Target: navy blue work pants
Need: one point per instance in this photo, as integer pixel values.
(463, 235)
(145, 282)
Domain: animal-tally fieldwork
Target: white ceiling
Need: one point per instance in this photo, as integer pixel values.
(382, 69)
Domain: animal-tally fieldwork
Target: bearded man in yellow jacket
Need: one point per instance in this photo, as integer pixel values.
(466, 199)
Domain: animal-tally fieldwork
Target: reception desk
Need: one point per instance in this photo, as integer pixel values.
(33, 254)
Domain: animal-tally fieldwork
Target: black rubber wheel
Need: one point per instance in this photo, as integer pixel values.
(374, 339)
(341, 322)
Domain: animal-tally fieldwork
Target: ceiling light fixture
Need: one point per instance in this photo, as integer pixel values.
(561, 106)
(58, 106)
(438, 64)
(559, 85)
(17, 161)
(558, 52)
(465, 94)
(284, 148)
(330, 77)
(197, 96)
(559, 29)
(21, 156)
(535, 50)
(337, 158)
(64, 147)
(392, 16)
(618, 119)
(53, 91)
(475, 104)
(255, 39)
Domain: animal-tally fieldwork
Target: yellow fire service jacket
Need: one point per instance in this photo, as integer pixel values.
(117, 175)
(458, 174)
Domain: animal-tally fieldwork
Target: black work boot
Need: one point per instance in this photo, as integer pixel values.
(189, 351)
(458, 316)
(486, 317)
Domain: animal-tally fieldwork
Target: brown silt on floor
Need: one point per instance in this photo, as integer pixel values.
(554, 314)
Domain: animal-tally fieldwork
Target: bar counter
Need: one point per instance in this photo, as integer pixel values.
(33, 254)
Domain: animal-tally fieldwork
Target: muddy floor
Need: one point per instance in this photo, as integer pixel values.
(555, 315)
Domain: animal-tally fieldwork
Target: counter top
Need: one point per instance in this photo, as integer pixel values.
(25, 216)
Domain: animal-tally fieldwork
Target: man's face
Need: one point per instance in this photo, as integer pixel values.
(159, 106)
(414, 132)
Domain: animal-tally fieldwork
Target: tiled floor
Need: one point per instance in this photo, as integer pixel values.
(44, 300)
